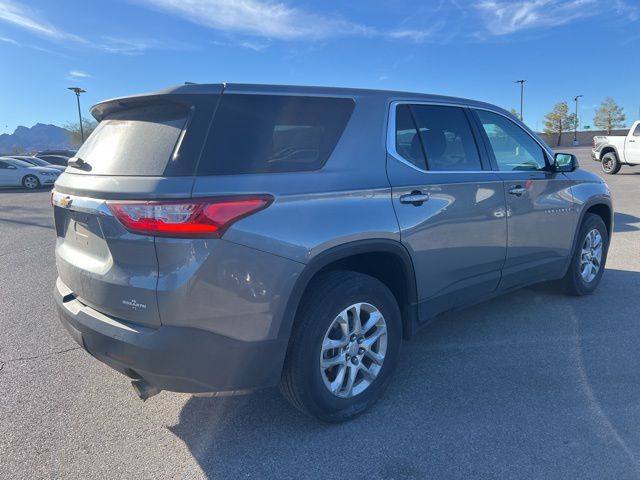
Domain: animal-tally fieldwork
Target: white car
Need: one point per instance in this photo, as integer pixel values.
(37, 162)
(615, 150)
(16, 172)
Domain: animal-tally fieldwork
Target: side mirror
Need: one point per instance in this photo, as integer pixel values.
(565, 162)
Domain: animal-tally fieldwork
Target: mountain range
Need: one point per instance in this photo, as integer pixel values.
(39, 137)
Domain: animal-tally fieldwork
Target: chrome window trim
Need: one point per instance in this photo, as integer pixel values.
(76, 203)
(391, 136)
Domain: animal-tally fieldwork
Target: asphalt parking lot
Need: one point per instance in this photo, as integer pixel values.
(530, 385)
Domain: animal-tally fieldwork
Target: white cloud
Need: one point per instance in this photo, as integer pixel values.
(262, 18)
(29, 19)
(274, 20)
(8, 40)
(502, 17)
(78, 74)
(410, 34)
(255, 46)
(124, 46)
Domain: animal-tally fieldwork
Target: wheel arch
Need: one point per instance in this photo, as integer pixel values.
(395, 270)
(609, 149)
(604, 211)
(601, 206)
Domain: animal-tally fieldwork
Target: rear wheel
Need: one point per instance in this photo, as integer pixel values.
(589, 257)
(610, 164)
(30, 182)
(344, 346)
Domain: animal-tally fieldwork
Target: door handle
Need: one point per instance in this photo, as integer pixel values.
(517, 191)
(632, 141)
(415, 198)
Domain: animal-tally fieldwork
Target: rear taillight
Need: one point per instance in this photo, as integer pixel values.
(193, 218)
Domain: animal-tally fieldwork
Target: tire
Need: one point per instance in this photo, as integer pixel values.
(304, 383)
(574, 281)
(31, 182)
(610, 164)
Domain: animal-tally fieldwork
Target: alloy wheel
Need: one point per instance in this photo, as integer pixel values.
(31, 182)
(591, 256)
(353, 350)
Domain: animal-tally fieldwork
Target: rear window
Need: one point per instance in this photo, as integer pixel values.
(136, 141)
(273, 133)
(18, 163)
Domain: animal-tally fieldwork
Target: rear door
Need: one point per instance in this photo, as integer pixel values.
(8, 174)
(541, 217)
(450, 206)
(632, 146)
(144, 148)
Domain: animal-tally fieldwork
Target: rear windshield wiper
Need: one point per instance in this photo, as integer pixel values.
(76, 162)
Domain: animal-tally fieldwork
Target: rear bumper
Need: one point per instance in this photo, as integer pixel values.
(179, 359)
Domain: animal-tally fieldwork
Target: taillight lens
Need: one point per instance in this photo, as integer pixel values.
(193, 218)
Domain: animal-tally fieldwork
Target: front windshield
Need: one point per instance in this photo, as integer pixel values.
(18, 163)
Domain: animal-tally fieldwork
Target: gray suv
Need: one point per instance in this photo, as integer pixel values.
(225, 238)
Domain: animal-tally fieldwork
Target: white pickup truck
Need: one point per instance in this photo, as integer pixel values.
(615, 151)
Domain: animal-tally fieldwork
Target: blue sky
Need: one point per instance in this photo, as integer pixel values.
(469, 48)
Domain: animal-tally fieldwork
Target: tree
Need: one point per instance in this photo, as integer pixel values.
(18, 150)
(559, 120)
(609, 116)
(515, 113)
(73, 130)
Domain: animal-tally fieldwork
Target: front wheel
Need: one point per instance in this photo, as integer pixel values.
(589, 257)
(344, 346)
(30, 182)
(610, 164)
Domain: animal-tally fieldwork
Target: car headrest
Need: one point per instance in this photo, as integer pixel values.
(435, 143)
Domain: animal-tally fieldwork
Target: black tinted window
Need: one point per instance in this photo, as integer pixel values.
(636, 133)
(407, 139)
(136, 141)
(273, 133)
(513, 148)
(445, 141)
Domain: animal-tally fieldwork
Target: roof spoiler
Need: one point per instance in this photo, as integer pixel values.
(182, 94)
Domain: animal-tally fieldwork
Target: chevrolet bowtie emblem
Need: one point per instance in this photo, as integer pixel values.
(65, 202)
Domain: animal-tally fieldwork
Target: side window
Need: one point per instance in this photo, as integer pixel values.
(513, 148)
(436, 138)
(3, 166)
(273, 133)
(636, 132)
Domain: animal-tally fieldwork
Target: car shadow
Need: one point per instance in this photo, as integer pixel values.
(508, 388)
(45, 188)
(624, 222)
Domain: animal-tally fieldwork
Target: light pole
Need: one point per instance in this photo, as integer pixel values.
(575, 130)
(521, 82)
(78, 91)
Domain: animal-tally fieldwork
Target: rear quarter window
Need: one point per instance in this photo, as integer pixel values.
(273, 133)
